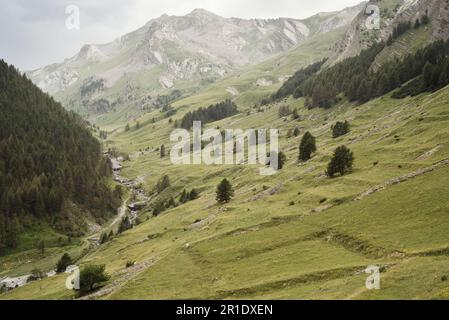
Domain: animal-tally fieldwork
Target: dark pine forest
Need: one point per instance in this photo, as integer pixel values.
(51, 167)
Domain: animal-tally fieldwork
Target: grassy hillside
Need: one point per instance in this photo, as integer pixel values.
(297, 234)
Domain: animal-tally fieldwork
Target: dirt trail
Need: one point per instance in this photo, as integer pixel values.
(428, 154)
(401, 179)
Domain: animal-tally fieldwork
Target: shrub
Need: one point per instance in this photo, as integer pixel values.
(92, 275)
(63, 263)
(130, 263)
(340, 129)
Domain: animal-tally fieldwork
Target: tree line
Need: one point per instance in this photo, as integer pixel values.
(294, 84)
(212, 113)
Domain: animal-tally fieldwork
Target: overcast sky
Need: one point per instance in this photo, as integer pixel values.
(34, 34)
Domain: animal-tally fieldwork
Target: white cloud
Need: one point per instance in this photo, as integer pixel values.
(33, 33)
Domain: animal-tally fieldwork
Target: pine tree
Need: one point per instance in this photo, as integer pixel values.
(162, 151)
(162, 184)
(341, 162)
(125, 224)
(171, 203)
(282, 158)
(41, 247)
(307, 147)
(183, 197)
(224, 191)
(104, 238)
(296, 132)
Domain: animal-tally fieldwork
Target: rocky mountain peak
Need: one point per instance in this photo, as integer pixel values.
(199, 12)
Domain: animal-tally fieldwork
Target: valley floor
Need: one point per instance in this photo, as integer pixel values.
(299, 234)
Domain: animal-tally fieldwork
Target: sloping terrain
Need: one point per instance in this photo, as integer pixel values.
(53, 176)
(391, 13)
(311, 237)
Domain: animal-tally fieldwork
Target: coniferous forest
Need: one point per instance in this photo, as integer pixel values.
(354, 78)
(212, 113)
(294, 84)
(51, 167)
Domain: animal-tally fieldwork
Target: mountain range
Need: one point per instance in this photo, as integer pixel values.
(175, 52)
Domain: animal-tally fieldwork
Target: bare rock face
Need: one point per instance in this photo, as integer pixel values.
(359, 37)
(166, 82)
(262, 82)
(54, 81)
(199, 41)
